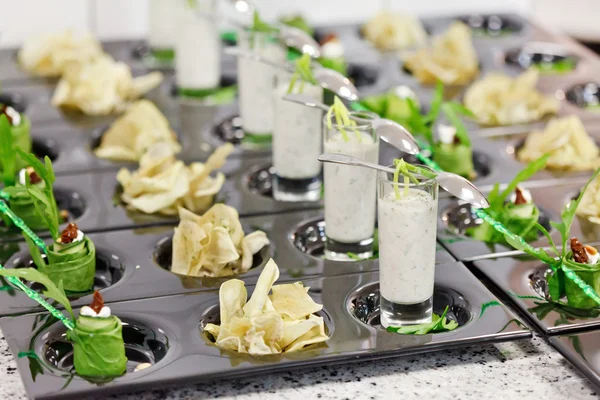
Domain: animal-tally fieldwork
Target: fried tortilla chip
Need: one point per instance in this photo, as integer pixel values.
(451, 59)
(284, 322)
(589, 207)
(214, 244)
(389, 31)
(499, 99)
(50, 54)
(101, 86)
(570, 146)
(130, 136)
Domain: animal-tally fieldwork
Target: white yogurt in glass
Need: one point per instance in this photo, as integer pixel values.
(297, 134)
(256, 81)
(162, 23)
(350, 192)
(197, 49)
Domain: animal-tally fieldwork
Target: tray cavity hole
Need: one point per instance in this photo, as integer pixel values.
(492, 24)
(585, 95)
(14, 100)
(548, 60)
(45, 147)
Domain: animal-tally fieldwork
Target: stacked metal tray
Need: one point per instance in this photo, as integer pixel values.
(165, 313)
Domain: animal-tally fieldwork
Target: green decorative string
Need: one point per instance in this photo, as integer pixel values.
(498, 226)
(32, 294)
(21, 225)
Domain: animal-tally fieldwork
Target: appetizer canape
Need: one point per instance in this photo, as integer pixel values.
(31, 192)
(162, 183)
(332, 54)
(569, 145)
(514, 207)
(499, 99)
(51, 54)
(19, 129)
(451, 58)
(197, 50)
(573, 265)
(399, 104)
(255, 80)
(407, 244)
(97, 338)
(389, 32)
(162, 28)
(101, 87)
(130, 136)
(297, 136)
(350, 195)
(214, 244)
(282, 322)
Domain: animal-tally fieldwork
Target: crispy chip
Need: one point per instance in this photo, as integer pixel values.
(130, 136)
(50, 54)
(570, 146)
(214, 244)
(99, 87)
(589, 207)
(451, 58)
(285, 322)
(389, 31)
(499, 99)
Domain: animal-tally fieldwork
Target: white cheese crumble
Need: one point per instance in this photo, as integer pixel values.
(446, 133)
(404, 92)
(88, 312)
(141, 366)
(22, 175)
(526, 195)
(14, 116)
(79, 237)
(592, 258)
(332, 49)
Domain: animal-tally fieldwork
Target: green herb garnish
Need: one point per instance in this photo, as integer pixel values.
(342, 119)
(438, 324)
(8, 157)
(303, 73)
(258, 25)
(408, 171)
(521, 219)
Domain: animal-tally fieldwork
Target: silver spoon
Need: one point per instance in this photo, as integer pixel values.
(389, 131)
(327, 78)
(454, 184)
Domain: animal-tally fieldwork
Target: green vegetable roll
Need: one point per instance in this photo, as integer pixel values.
(21, 204)
(455, 158)
(98, 346)
(520, 219)
(74, 264)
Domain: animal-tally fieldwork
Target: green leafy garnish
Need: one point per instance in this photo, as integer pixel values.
(258, 25)
(8, 157)
(297, 21)
(43, 198)
(438, 324)
(342, 119)
(52, 291)
(303, 73)
(408, 171)
(453, 111)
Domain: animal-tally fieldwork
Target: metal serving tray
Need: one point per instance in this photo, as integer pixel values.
(131, 262)
(521, 279)
(551, 196)
(582, 351)
(168, 332)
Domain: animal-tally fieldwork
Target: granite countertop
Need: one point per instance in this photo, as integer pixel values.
(525, 369)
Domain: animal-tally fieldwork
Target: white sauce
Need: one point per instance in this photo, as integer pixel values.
(332, 49)
(526, 195)
(350, 192)
(592, 258)
(162, 21)
(14, 116)
(404, 92)
(197, 51)
(407, 243)
(88, 312)
(446, 133)
(79, 237)
(255, 82)
(297, 139)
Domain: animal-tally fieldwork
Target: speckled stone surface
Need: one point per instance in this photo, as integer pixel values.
(525, 369)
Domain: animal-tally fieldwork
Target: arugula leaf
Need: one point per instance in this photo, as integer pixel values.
(258, 25)
(452, 111)
(556, 285)
(437, 324)
(36, 255)
(550, 240)
(436, 103)
(531, 169)
(33, 275)
(8, 159)
(568, 214)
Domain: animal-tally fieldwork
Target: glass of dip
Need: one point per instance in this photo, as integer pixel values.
(297, 142)
(255, 85)
(407, 222)
(197, 50)
(350, 192)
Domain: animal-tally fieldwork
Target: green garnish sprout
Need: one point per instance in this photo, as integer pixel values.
(342, 119)
(303, 72)
(408, 172)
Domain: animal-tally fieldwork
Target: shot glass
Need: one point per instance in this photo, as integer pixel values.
(297, 142)
(162, 20)
(407, 222)
(350, 192)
